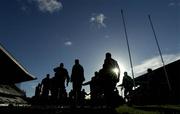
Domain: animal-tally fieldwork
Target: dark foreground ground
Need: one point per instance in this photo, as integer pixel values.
(56, 110)
(123, 109)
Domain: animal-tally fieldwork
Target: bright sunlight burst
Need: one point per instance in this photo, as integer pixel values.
(115, 70)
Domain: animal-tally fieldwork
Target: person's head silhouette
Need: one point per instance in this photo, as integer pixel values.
(61, 65)
(76, 61)
(108, 55)
(149, 70)
(125, 73)
(47, 76)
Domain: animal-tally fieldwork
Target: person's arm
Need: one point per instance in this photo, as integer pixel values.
(72, 75)
(67, 79)
(82, 74)
(86, 83)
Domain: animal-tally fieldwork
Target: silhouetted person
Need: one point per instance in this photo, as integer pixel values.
(109, 77)
(61, 75)
(45, 86)
(38, 90)
(127, 84)
(54, 89)
(110, 64)
(149, 82)
(152, 87)
(83, 96)
(71, 97)
(77, 78)
(146, 85)
(95, 88)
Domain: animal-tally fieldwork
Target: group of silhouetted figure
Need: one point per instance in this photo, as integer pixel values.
(103, 85)
(54, 89)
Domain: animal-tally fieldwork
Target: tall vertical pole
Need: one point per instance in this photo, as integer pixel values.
(124, 24)
(160, 53)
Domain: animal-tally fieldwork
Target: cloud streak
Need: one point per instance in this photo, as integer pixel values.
(171, 4)
(154, 63)
(50, 6)
(68, 43)
(98, 19)
(174, 3)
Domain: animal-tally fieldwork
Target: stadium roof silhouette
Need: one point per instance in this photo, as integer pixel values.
(158, 89)
(10, 70)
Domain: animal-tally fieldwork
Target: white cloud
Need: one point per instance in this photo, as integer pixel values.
(171, 4)
(49, 5)
(154, 63)
(98, 19)
(174, 3)
(68, 43)
(107, 36)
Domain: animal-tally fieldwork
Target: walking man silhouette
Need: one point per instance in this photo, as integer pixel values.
(77, 78)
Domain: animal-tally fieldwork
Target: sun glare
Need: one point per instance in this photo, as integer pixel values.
(116, 71)
(122, 70)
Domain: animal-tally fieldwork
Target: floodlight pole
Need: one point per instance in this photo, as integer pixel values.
(160, 53)
(129, 52)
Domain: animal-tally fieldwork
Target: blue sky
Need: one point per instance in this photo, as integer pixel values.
(42, 33)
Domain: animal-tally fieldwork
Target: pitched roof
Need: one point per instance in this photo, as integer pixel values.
(10, 70)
